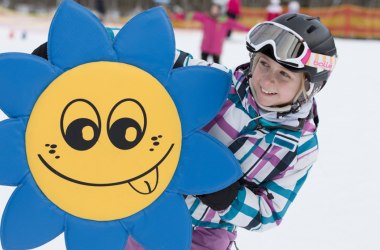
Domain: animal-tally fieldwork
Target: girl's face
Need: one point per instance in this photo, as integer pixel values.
(273, 84)
(215, 10)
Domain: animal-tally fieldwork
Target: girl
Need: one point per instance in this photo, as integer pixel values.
(269, 122)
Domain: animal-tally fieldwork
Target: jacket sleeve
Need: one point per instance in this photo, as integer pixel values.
(198, 16)
(274, 174)
(235, 25)
(184, 59)
(191, 16)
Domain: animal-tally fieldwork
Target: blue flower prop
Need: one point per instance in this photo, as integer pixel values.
(104, 138)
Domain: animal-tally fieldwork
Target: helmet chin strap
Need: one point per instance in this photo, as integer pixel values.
(299, 99)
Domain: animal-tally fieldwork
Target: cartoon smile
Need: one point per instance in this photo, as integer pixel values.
(149, 178)
(102, 155)
(104, 139)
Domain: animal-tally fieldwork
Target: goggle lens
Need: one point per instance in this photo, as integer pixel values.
(287, 45)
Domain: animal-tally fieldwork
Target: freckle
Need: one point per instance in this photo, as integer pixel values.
(52, 151)
(53, 146)
(47, 145)
(154, 138)
(156, 143)
(57, 157)
(151, 149)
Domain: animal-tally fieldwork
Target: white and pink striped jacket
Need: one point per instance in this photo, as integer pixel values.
(275, 159)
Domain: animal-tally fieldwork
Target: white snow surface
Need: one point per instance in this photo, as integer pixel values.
(338, 207)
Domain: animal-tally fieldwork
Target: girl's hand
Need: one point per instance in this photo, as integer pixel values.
(221, 199)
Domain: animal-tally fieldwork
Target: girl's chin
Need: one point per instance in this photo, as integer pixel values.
(263, 101)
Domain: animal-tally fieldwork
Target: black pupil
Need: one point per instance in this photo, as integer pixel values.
(74, 134)
(118, 130)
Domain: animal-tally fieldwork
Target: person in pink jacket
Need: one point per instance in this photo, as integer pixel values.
(215, 29)
(233, 11)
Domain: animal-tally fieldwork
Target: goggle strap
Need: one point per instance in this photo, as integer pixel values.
(321, 62)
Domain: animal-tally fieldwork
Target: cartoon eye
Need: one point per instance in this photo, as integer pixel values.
(81, 131)
(126, 124)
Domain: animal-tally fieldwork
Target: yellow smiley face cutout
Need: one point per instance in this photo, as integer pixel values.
(103, 140)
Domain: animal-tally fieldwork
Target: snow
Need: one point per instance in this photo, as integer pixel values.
(338, 206)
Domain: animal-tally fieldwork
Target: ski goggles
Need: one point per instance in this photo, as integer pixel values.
(289, 48)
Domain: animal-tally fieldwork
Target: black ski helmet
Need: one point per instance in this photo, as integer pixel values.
(319, 40)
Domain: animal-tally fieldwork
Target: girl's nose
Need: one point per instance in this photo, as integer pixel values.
(270, 77)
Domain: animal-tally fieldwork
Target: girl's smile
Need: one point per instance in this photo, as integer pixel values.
(273, 84)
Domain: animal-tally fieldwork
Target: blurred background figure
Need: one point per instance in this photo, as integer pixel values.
(293, 7)
(233, 11)
(11, 34)
(222, 4)
(215, 27)
(274, 9)
(24, 35)
(100, 9)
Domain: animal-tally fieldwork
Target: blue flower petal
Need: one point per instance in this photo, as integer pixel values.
(199, 93)
(29, 219)
(77, 36)
(206, 160)
(165, 224)
(147, 42)
(87, 234)
(13, 162)
(23, 78)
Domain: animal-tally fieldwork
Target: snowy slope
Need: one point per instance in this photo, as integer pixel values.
(338, 206)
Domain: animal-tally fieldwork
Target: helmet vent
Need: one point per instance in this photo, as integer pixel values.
(291, 17)
(313, 18)
(311, 29)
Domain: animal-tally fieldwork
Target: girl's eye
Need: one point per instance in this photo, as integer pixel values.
(284, 74)
(264, 64)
